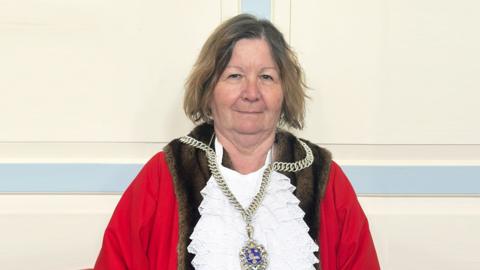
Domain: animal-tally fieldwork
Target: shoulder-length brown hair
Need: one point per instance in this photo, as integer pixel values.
(215, 56)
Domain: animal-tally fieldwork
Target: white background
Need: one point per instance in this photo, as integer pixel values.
(392, 82)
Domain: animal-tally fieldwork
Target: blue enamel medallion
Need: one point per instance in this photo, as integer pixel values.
(253, 256)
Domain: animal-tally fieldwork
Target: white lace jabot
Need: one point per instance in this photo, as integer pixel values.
(278, 224)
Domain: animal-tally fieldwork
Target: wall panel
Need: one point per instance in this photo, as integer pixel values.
(389, 72)
(425, 233)
(52, 231)
(107, 71)
(65, 231)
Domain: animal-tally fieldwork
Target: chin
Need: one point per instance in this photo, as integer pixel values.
(250, 129)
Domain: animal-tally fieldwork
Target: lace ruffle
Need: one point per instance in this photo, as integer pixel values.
(279, 226)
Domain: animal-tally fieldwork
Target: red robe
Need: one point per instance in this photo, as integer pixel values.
(143, 231)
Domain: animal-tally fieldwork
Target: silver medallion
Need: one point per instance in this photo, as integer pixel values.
(253, 256)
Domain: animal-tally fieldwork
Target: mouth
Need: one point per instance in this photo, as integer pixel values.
(249, 112)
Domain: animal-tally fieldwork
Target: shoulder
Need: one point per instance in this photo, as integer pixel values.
(288, 144)
(321, 154)
(154, 166)
(150, 178)
(336, 181)
(339, 190)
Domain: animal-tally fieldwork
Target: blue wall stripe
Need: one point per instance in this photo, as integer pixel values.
(259, 8)
(415, 179)
(66, 177)
(387, 180)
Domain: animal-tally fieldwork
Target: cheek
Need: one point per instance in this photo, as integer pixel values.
(215, 105)
(215, 99)
(219, 100)
(224, 97)
(278, 101)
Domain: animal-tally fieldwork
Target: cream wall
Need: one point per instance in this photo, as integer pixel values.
(392, 83)
(381, 73)
(390, 72)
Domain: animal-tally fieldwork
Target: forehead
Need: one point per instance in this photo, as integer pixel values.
(252, 52)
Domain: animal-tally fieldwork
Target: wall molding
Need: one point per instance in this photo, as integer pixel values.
(115, 177)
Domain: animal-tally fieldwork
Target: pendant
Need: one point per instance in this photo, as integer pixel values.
(253, 256)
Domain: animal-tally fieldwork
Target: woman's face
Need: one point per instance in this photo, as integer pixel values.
(248, 96)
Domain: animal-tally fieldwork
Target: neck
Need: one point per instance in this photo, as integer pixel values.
(247, 152)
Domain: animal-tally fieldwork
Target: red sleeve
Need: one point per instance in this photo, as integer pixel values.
(128, 232)
(344, 235)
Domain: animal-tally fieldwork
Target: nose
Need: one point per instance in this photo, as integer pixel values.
(251, 92)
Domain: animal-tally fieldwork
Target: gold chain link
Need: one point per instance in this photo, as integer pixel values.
(248, 213)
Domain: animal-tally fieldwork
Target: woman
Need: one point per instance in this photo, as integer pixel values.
(238, 192)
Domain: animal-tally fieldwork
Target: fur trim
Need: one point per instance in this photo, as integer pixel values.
(188, 166)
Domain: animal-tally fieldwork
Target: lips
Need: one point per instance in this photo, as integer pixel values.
(249, 112)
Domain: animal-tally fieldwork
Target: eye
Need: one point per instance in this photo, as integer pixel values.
(266, 77)
(234, 76)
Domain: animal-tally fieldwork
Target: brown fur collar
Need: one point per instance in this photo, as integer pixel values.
(188, 166)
